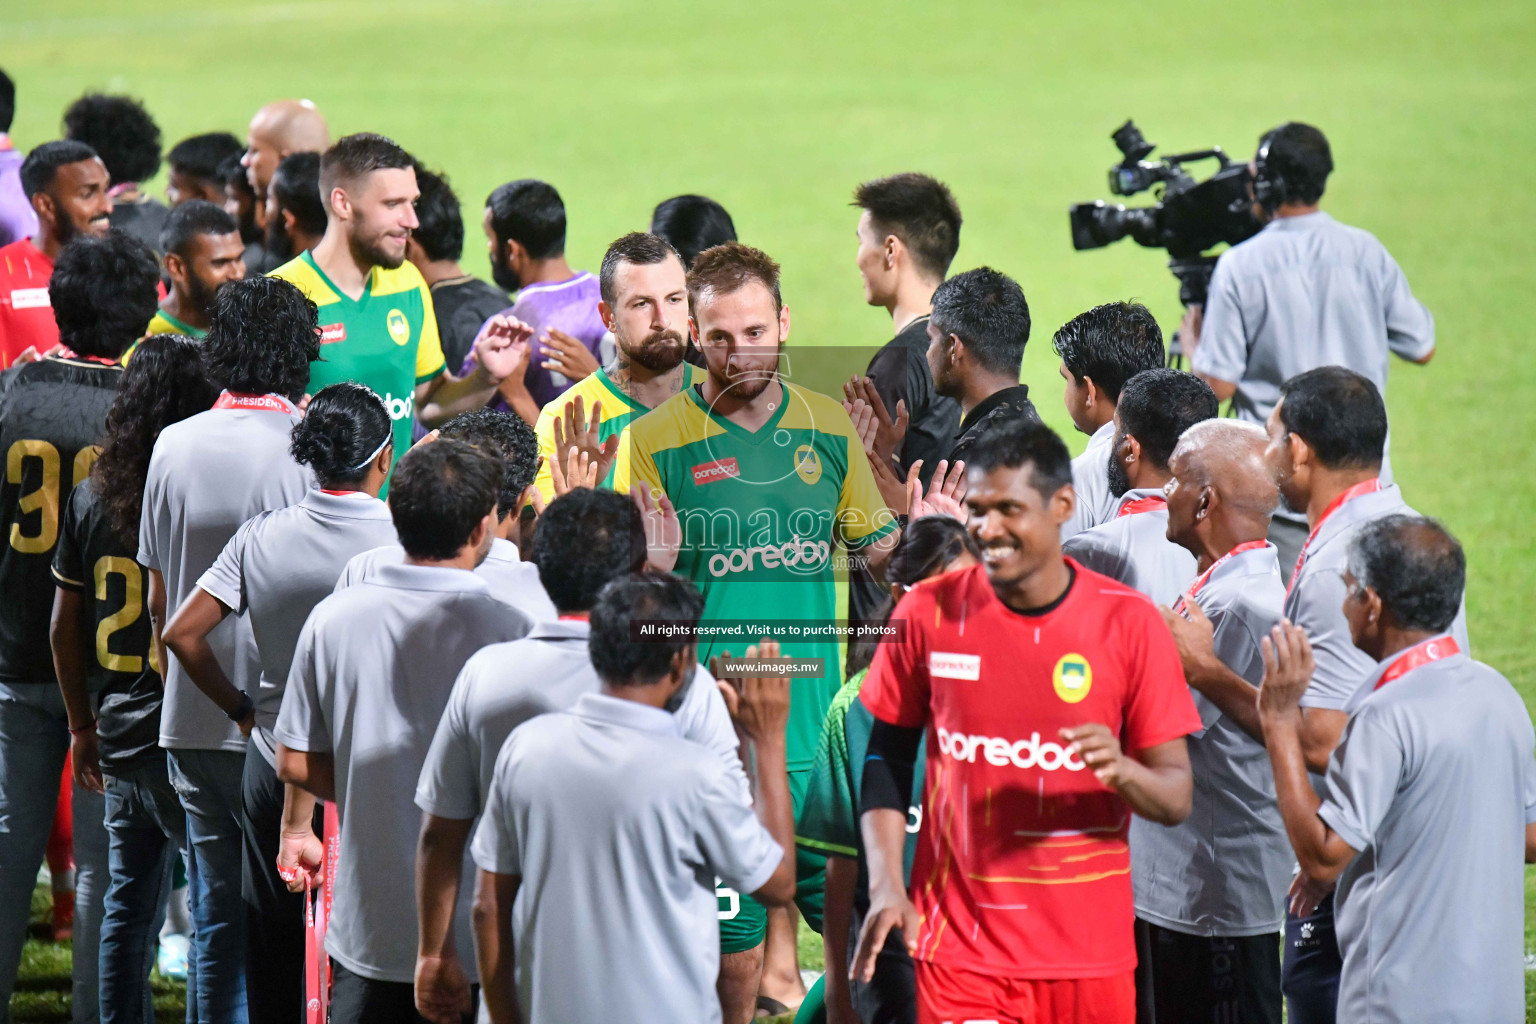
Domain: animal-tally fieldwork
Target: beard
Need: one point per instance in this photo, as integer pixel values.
(745, 385)
(1119, 483)
(506, 278)
(674, 702)
(278, 242)
(199, 295)
(658, 352)
(371, 252)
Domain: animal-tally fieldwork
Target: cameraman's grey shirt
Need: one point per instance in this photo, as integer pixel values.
(505, 685)
(1135, 550)
(278, 566)
(1224, 869)
(1315, 601)
(1302, 293)
(1433, 784)
(1090, 481)
(510, 579)
(208, 475)
(372, 673)
(618, 826)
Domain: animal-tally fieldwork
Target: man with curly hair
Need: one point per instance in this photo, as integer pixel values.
(52, 413)
(127, 139)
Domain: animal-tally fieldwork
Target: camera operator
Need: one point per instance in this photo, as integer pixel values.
(1306, 291)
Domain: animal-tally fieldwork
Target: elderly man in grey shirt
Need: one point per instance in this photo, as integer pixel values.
(612, 910)
(1209, 890)
(1305, 291)
(1429, 813)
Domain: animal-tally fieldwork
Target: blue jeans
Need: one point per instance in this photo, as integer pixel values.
(146, 829)
(208, 784)
(34, 737)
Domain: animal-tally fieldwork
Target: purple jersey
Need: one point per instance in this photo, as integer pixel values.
(17, 220)
(569, 306)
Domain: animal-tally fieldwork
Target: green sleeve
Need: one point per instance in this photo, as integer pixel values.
(829, 819)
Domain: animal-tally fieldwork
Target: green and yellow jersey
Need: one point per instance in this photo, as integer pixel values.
(387, 339)
(163, 323)
(762, 514)
(618, 410)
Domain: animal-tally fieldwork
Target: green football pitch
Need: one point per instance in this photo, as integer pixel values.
(779, 109)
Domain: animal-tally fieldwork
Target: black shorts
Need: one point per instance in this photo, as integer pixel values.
(1199, 979)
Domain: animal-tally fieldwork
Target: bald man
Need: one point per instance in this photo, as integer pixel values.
(1209, 891)
(278, 129)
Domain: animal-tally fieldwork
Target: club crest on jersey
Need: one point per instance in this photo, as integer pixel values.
(399, 327)
(944, 665)
(807, 464)
(709, 472)
(1072, 678)
(331, 333)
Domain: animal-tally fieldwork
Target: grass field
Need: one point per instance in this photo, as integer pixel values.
(779, 109)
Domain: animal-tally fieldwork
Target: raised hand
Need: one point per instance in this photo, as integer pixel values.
(502, 348)
(1288, 669)
(889, 433)
(574, 430)
(567, 356)
(579, 471)
(663, 531)
(946, 491)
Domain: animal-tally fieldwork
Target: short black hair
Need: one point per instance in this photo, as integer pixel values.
(263, 335)
(587, 538)
(1110, 343)
(42, 164)
(919, 210)
(200, 156)
(7, 101)
(1298, 158)
(507, 437)
(344, 428)
(690, 224)
(296, 184)
(353, 156)
(441, 231)
(1414, 564)
(987, 310)
(1339, 414)
(1012, 443)
(232, 171)
(638, 247)
(121, 132)
(104, 292)
(1156, 406)
(530, 213)
(619, 659)
(190, 219)
(440, 493)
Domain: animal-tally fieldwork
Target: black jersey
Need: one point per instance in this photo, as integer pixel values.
(52, 415)
(93, 560)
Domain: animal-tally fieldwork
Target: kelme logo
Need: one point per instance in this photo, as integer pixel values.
(1072, 678)
(807, 464)
(399, 328)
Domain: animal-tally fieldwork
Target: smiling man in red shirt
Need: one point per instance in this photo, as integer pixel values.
(1054, 706)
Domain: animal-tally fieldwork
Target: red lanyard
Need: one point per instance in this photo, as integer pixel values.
(1417, 656)
(1147, 504)
(1364, 487)
(1201, 580)
(346, 494)
(65, 352)
(269, 403)
(576, 617)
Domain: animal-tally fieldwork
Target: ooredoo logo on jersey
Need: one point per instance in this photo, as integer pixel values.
(1031, 753)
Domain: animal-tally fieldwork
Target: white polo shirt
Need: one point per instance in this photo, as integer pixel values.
(282, 563)
(1133, 547)
(618, 827)
(208, 475)
(371, 675)
(1090, 481)
(509, 578)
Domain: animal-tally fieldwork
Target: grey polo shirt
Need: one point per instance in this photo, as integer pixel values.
(208, 475)
(616, 913)
(1315, 601)
(282, 563)
(509, 578)
(1433, 783)
(1224, 869)
(1135, 549)
(505, 685)
(1090, 480)
(370, 678)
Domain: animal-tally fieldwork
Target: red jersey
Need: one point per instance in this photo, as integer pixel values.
(1022, 864)
(26, 316)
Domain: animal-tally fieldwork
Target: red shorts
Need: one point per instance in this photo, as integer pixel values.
(948, 995)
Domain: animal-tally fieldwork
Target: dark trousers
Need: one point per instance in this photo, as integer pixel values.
(890, 997)
(359, 1000)
(1312, 967)
(1202, 979)
(274, 917)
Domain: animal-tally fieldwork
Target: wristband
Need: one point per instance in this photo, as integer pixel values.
(244, 708)
(87, 727)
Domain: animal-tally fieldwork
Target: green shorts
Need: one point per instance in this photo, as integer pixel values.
(743, 920)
